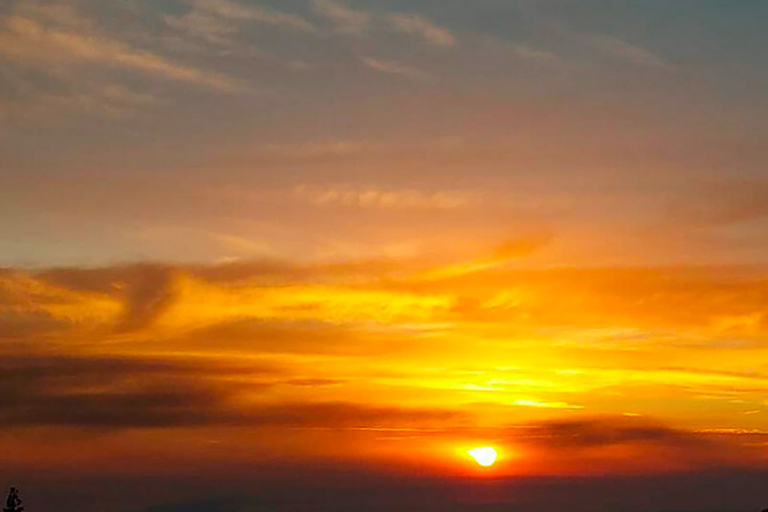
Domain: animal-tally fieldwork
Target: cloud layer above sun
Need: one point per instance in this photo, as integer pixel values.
(564, 369)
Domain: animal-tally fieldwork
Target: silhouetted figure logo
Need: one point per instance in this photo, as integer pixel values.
(13, 503)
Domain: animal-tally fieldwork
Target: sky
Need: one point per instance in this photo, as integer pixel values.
(307, 253)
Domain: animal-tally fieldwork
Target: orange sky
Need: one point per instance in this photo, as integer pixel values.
(565, 371)
(243, 238)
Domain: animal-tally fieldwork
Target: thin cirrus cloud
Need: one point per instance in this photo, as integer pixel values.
(613, 47)
(345, 19)
(57, 39)
(237, 12)
(395, 68)
(203, 24)
(30, 41)
(496, 45)
(721, 204)
(625, 51)
(342, 17)
(423, 28)
(376, 198)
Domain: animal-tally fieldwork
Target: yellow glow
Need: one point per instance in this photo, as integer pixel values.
(485, 456)
(407, 360)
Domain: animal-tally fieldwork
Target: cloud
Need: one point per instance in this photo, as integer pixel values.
(311, 150)
(205, 25)
(342, 17)
(112, 392)
(187, 298)
(393, 68)
(342, 347)
(625, 51)
(200, 303)
(600, 432)
(30, 41)
(63, 58)
(534, 54)
(360, 197)
(329, 321)
(30, 94)
(23, 294)
(522, 402)
(490, 44)
(503, 253)
(721, 204)
(230, 10)
(521, 246)
(631, 444)
(423, 28)
(312, 383)
(219, 23)
(146, 297)
(348, 415)
(615, 47)
(708, 301)
(119, 392)
(278, 337)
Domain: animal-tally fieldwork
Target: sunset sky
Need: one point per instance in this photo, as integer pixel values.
(249, 245)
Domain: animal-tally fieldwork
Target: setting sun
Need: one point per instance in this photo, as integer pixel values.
(484, 456)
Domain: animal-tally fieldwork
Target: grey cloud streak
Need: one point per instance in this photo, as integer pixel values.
(120, 393)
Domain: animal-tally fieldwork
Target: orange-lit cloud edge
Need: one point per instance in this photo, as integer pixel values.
(400, 367)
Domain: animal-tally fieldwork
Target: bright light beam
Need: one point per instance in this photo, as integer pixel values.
(485, 456)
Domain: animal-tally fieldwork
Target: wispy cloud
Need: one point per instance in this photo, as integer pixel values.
(28, 102)
(496, 45)
(235, 11)
(624, 50)
(721, 204)
(529, 53)
(614, 47)
(423, 28)
(394, 68)
(204, 25)
(342, 17)
(360, 197)
(27, 40)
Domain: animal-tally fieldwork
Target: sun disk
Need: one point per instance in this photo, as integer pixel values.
(484, 456)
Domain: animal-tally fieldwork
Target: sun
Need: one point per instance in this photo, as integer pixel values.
(485, 456)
